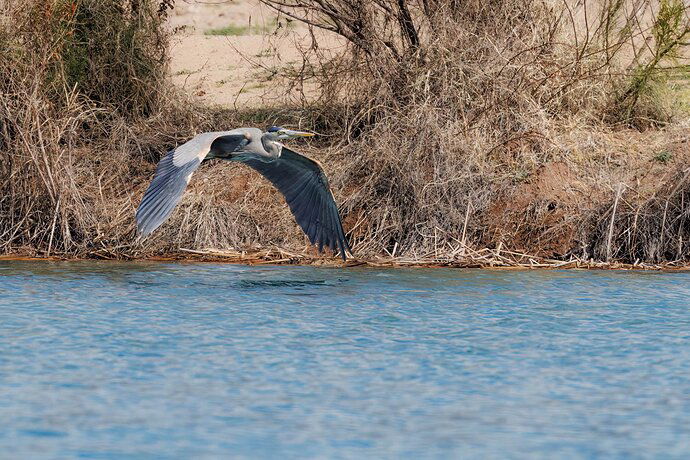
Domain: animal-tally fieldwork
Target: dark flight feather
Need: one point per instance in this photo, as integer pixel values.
(163, 193)
(306, 190)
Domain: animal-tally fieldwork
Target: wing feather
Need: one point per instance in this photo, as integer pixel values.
(314, 212)
(331, 230)
(175, 170)
(305, 188)
(164, 192)
(320, 224)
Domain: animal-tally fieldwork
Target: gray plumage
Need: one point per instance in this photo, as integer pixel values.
(301, 180)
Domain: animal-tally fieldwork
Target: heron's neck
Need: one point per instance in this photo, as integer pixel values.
(272, 147)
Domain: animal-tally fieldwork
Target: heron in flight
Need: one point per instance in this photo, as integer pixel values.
(301, 180)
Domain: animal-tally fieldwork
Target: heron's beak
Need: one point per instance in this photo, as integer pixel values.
(290, 133)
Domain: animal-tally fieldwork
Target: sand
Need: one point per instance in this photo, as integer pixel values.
(237, 71)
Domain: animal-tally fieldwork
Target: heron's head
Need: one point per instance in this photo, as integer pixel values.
(283, 133)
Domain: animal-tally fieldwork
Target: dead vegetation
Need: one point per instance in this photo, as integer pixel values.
(457, 114)
(508, 132)
(83, 102)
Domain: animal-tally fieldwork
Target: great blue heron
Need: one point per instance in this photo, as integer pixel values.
(301, 180)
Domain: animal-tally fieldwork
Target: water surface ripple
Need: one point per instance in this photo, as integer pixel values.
(150, 360)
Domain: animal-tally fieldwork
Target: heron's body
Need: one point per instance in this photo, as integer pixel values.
(300, 180)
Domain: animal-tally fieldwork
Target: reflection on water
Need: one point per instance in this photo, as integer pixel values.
(113, 360)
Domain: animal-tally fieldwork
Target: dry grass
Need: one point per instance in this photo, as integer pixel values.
(82, 104)
(648, 224)
(454, 112)
(460, 133)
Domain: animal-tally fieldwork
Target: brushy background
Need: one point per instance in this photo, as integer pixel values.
(554, 128)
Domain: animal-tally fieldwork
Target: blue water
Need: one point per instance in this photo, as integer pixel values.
(149, 360)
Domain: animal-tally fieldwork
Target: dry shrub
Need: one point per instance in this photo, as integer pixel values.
(449, 112)
(646, 218)
(86, 112)
(447, 106)
(82, 102)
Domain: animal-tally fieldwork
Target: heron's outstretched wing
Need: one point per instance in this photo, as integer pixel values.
(174, 172)
(305, 188)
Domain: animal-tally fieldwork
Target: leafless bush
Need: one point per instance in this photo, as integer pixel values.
(81, 87)
(86, 112)
(448, 112)
(653, 228)
(448, 105)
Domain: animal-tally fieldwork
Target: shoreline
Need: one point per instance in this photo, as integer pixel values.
(280, 257)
